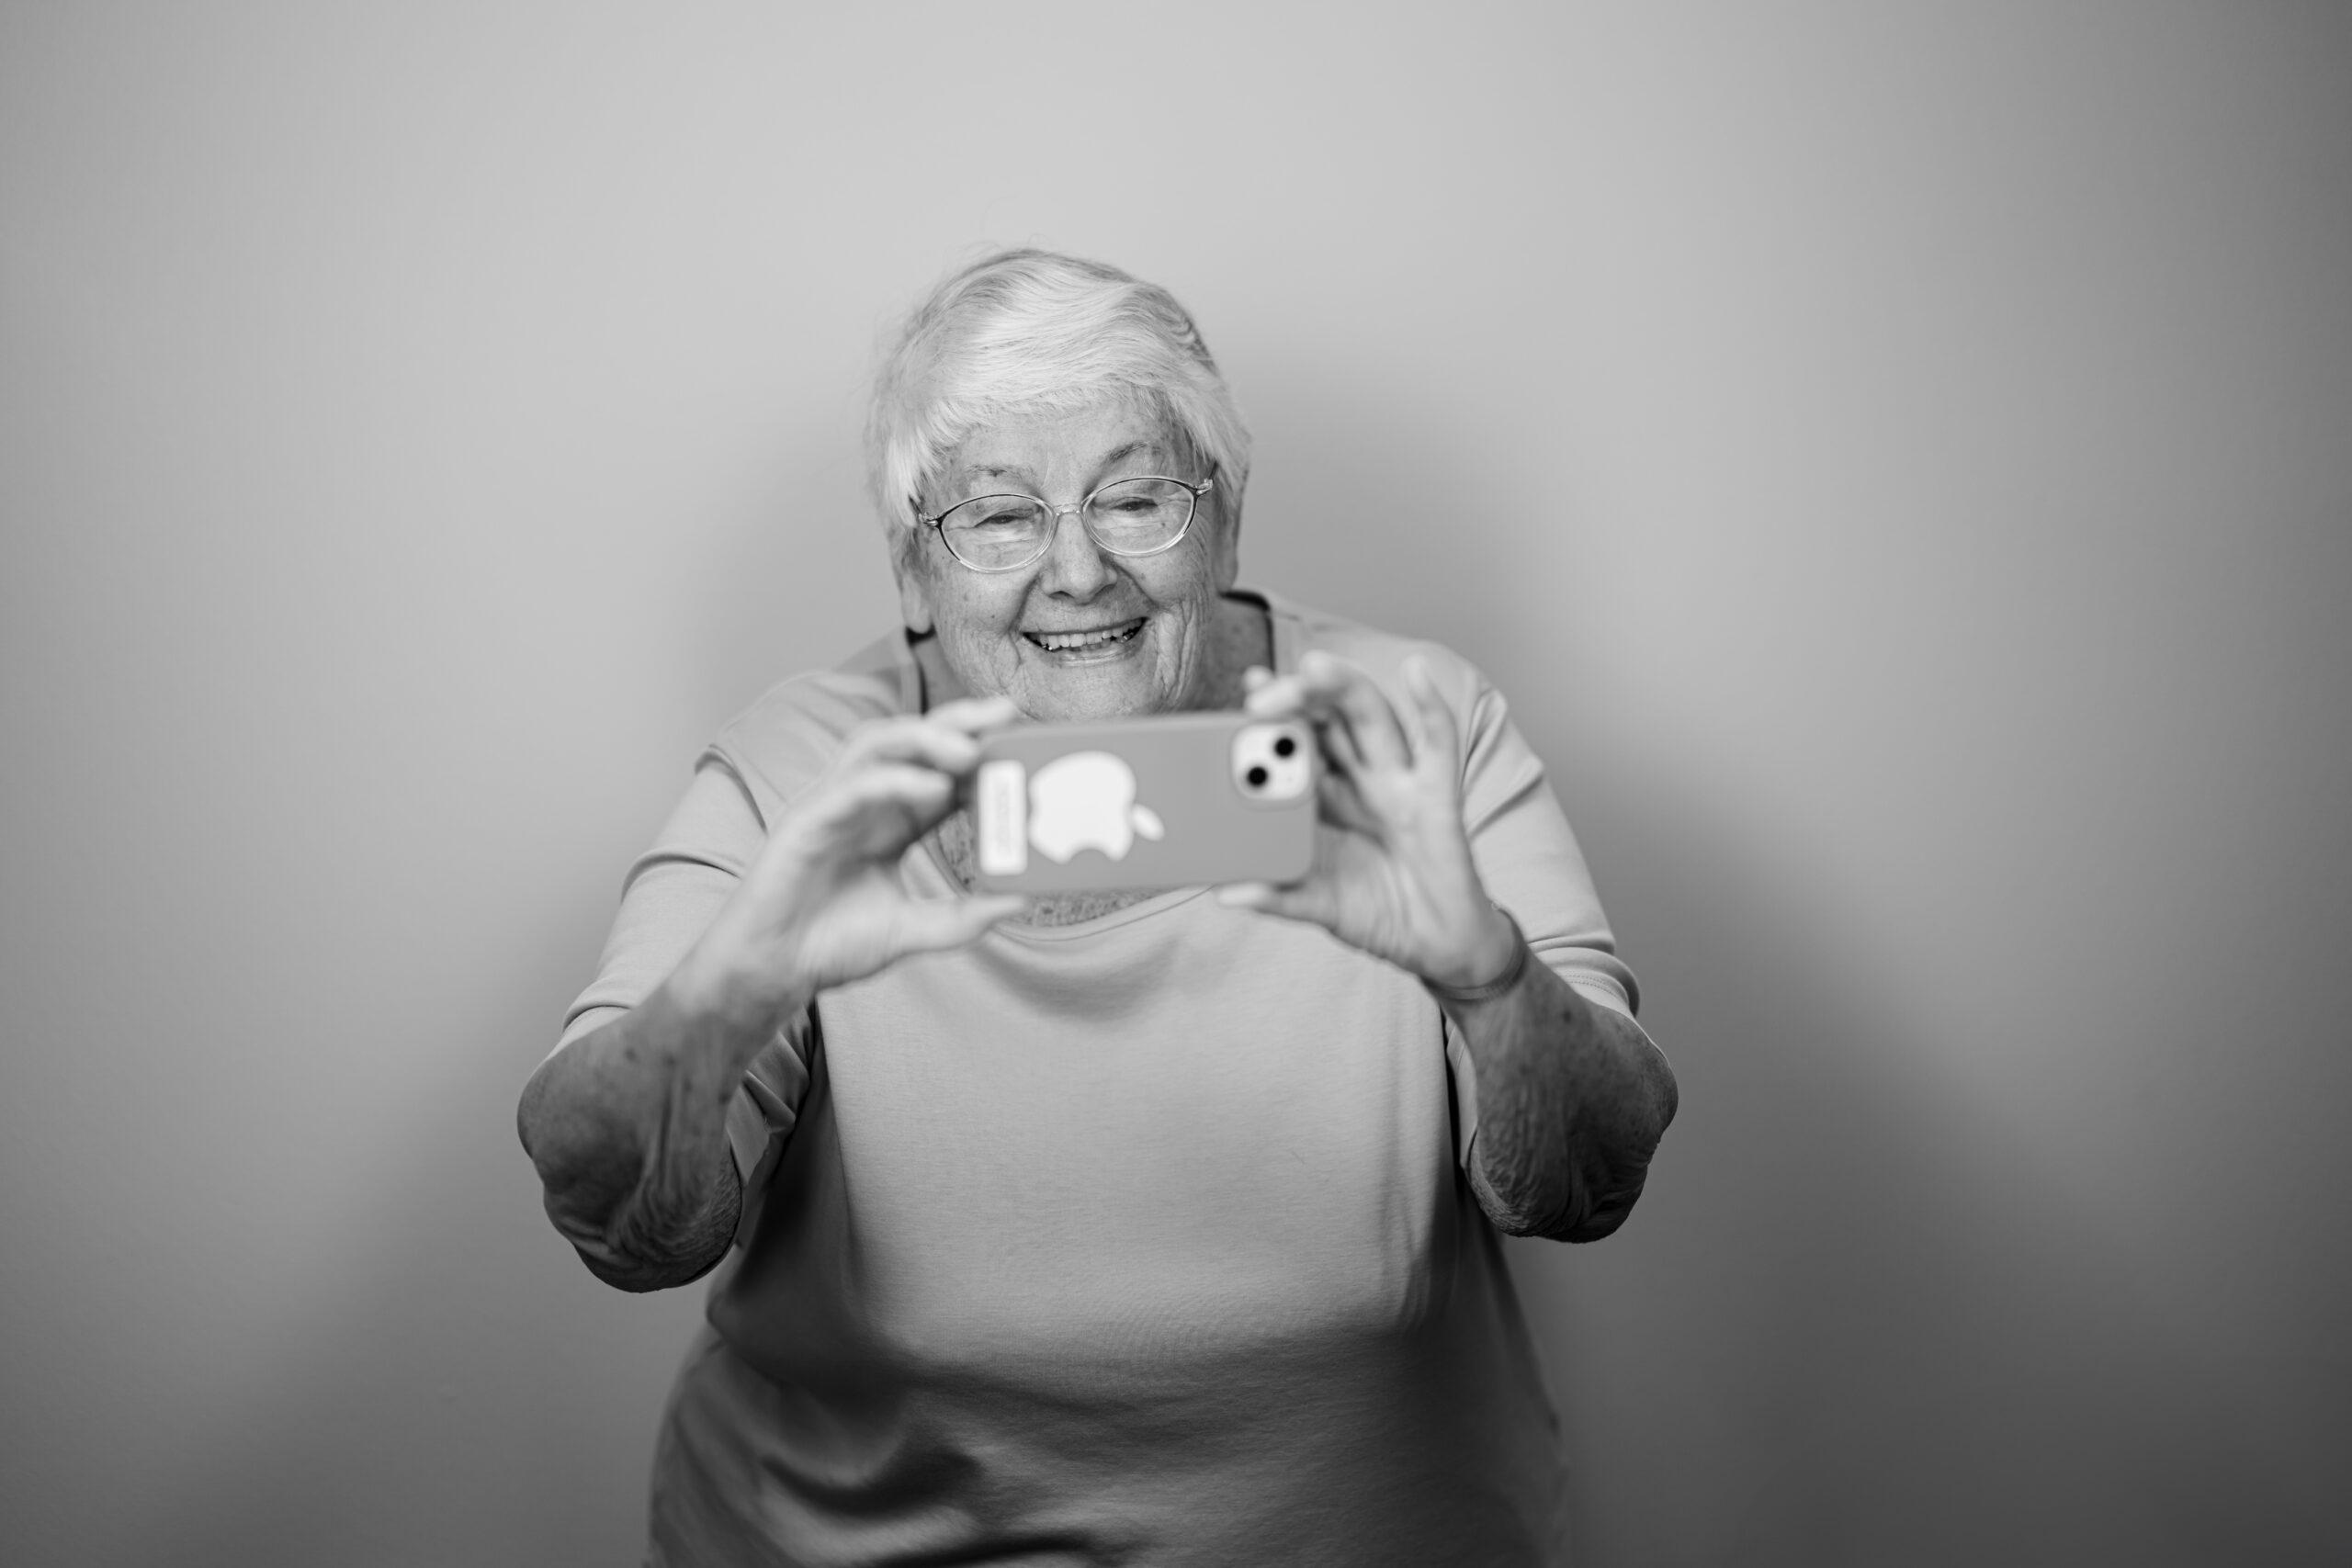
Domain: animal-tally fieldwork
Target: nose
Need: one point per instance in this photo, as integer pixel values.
(1075, 566)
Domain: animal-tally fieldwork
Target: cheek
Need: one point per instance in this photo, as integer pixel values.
(978, 631)
(1186, 581)
(977, 608)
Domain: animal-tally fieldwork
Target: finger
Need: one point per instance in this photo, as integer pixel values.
(975, 716)
(1308, 902)
(879, 809)
(946, 739)
(1343, 806)
(1254, 677)
(1315, 688)
(1338, 746)
(1276, 697)
(887, 789)
(1371, 723)
(935, 925)
(1332, 740)
(1438, 749)
(908, 739)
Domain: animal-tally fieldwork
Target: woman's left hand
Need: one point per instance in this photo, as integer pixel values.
(1392, 873)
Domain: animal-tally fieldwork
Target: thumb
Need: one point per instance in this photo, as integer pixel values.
(1299, 903)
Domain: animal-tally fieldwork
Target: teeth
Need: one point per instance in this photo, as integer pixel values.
(1059, 642)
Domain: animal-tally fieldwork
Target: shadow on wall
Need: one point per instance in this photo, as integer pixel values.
(467, 1393)
(1855, 1318)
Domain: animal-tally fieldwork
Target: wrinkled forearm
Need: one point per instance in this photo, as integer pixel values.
(1572, 1101)
(628, 1128)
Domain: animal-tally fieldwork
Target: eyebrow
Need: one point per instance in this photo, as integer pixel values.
(1119, 454)
(1129, 450)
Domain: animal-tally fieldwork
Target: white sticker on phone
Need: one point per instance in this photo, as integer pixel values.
(1001, 804)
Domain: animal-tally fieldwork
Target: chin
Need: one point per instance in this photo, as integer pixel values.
(1069, 697)
(1063, 702)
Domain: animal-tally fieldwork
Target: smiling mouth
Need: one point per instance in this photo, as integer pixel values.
(1081, 642)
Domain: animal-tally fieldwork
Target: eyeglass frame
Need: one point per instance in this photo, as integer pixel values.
(1045, 543)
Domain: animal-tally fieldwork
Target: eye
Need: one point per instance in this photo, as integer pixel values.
(995, 513)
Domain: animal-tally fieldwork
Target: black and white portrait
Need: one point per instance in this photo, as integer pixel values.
(608, 955)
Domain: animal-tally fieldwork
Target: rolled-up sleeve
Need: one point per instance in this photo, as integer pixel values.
(673, 893)
(1528, 857)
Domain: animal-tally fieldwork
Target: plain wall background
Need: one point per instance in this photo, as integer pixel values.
(1895, 456)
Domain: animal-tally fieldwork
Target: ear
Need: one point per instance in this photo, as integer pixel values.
(914, 590)
(1226, 553)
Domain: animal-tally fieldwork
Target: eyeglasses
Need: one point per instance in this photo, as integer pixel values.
(1140, 516)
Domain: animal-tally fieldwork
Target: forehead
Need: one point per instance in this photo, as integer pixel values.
(1066, 448)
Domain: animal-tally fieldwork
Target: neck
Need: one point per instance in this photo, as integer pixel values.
(1241, 635)
(953, 842)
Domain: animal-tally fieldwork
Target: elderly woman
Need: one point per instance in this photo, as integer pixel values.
(1149, 1228)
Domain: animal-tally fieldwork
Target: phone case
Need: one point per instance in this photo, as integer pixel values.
(1169, 801)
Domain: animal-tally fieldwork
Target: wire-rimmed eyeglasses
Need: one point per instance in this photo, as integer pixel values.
(1139, 517)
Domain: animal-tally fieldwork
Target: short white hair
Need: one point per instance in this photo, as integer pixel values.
(1024, 332)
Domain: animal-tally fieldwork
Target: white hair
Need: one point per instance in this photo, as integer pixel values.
(1027, 332)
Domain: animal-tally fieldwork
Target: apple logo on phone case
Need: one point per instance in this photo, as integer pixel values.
(1087, 800)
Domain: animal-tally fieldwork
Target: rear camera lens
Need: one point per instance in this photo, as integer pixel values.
(1256, 777)
(1285, 746)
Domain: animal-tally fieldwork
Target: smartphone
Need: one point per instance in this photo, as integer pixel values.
(1170, 800)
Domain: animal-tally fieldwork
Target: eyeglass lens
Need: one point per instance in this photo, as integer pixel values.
(1130, 517)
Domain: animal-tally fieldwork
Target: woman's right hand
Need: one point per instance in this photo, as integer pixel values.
(821, 905)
